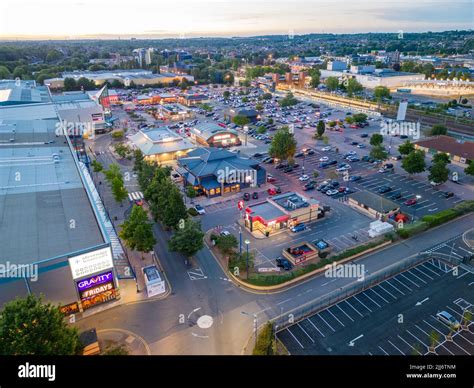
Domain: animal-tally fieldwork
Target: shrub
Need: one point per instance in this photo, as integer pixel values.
(193, 212)
(409, 230)
(264, 345)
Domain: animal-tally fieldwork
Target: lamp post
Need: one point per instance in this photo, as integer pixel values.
(240, 240)
(246, 130)
(247, 243)
(414, 213)
(255, 323)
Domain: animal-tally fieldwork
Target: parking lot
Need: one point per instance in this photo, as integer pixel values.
(395, 317)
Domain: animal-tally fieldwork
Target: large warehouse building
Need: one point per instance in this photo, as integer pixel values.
(55, 238)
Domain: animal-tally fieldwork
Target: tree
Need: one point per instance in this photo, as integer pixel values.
(378, 152)
(406, 148)
(96, 166)
(226, 95)
(266, 96)
(70, 84)
(332, 83)
(438, 129)
(187, 240)
(353, 87)
(376, 139)
(359, 117)
(4, 72)
(320, 128)
(138, 160)
(118, 190)
(381, 92)
(441, 157)
(226, 244)
(191, 192)
(116, 135)
(288, 100)
(174, 210)
(283, 145)
(469, 170)
(259, 107)
(414, 162)
(113, 172)
(137, 231)
(30, 327)
(240, 120)
(315, 75)
(439, 173)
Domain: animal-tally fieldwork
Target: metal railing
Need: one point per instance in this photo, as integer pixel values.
(299, 313)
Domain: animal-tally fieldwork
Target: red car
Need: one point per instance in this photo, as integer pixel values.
(353, 126)
(410, 202)
(272, 191)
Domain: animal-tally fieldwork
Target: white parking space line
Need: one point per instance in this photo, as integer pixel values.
(465, 250)
(464, 274)
(304, 331)
(383, 351)
(420, 271)
(356, 298)
(455, 312)
(319, 315)
(370, 298)
(414, 336)
(296, 339)
(393, 296)
(347, 315)
(390, 284)
(426, 267)
(336, 318)
(353, 308)
(416, 350)
(380, 296)
(319, 331)
(429, 324)
(411, 281)
(395, 347)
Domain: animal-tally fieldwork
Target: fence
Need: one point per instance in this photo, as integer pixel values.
(293, 316)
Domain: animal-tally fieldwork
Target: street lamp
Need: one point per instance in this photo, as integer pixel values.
(255, 322)
(247, 243)
(240, 240)
(414, 213)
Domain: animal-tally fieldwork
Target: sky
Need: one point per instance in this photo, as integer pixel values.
(39, 19)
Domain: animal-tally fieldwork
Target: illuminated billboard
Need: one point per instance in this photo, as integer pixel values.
(91, 262)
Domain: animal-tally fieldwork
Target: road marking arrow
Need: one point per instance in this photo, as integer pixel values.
(351, 343)
(421, 302)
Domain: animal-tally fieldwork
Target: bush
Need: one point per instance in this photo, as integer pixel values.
(193, 212)
(117, 135)
(264, 345)
(410, 230)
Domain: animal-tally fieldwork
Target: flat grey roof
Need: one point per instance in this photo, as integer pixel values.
(44, 208)
(374, 201)
(266, 210)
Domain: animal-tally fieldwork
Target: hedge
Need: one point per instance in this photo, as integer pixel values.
(409, 230)
(193, 212)
(264, 345)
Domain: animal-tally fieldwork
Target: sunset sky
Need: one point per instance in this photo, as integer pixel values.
(186, 18)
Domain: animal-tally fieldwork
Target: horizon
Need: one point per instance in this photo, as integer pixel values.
(51, 20)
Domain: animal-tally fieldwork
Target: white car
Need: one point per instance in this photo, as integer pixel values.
(327, 148)
(200, 209)
(303, 178)
(225, 233)
(343, 168)
(331, 192)
(324, 159)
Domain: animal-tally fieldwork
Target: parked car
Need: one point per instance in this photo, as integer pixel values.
(384, 189)
(284, 263)
(396, 195)
(364, 135)
(448, 319)
(287, 169)
(448, 194)
(298, 228)
(271, 191)
(255, 195)
(332, 192)
(323, 159)
(246, 197)
(410, 202)
(225, 233)
(354, 178)
(327, 148)
(200, 210)
(303, 178)
(270, 179)
(360, 146)
(299, 155)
